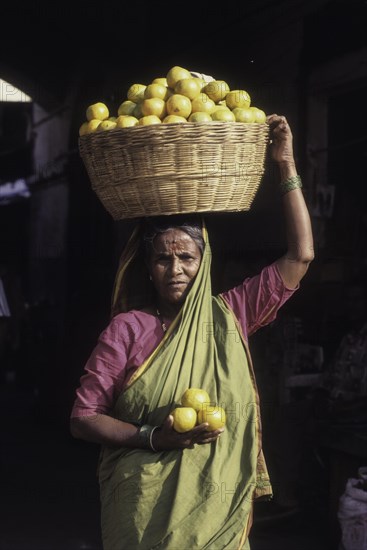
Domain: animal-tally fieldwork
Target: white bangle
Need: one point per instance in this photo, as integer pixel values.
(146, 436)
(151, 439)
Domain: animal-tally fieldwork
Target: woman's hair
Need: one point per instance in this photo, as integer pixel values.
(158, 225)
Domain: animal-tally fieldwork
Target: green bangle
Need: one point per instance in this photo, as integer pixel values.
(294, 182)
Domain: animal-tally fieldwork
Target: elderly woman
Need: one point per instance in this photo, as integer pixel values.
(160, 488)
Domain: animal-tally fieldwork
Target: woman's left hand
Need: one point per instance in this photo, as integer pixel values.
(281, 146)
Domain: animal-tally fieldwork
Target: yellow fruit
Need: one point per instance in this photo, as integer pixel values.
(213, 415)
(223, 115)
(126, 108)
(175, 74)
(200, 116)
(243, 115)
(216, 90)
(170, 119)
(106, 125)
(189, 87)
(136, 92)
(160, 80)
(202, 103)
(179, 104)
(195, 398)
(238, 98)
(137, 112)
(92, 125)
(125, 121)
(220, 107)
(97, 111)
(259, 115)
(148, 120)
(184, 419)
(112, 118)
(156, 90)
(154, 106)
(83, 129)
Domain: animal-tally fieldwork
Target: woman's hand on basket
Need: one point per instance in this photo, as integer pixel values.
(281, 137)
(166, 438)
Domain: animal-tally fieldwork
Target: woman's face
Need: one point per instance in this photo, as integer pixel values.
(174, 263)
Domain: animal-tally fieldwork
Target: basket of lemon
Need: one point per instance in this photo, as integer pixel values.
(184, 143)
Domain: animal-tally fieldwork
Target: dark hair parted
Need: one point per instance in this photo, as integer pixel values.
(160, 224)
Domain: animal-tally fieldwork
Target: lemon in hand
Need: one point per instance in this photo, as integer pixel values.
(195, 398)
(213, 415)
(98, 111)
(184, 419)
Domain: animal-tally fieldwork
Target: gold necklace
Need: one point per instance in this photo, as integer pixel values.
(163, 324)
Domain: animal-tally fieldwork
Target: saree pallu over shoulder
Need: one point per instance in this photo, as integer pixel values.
(199, 498)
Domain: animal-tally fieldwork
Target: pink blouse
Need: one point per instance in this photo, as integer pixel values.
(131, 337)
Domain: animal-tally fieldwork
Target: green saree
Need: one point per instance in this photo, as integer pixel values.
(199, 498)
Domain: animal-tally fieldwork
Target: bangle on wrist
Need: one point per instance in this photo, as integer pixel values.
(294, 182)
(145, 436)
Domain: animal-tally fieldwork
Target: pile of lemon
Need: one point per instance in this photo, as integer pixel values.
(179, 97)
(197, 408)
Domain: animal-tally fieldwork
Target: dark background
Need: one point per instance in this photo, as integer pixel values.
(69, 56)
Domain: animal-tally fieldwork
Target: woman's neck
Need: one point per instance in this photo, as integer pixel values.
(168, 311)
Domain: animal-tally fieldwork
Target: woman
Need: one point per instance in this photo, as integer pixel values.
(160, 488)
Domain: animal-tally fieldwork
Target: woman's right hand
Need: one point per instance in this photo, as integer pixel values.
(165, 438)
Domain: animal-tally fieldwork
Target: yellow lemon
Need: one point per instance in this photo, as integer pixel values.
(238, 98)
(97, 111)
(175, 74)
(189, 87)
(160, 80)
(223, 115)
(136, 92)
(184, 419)
(200, 116)
(126, 108)
(213, 415)
(92, 125)
(170, 119)
(202, 103)
(195, 398)
(148, 120)
(157, 90)
(259, 115)
(179, 104)
(113, 118)
(106, 125)
(137, 112)
(83, 129)
(125, 121)
(154, 106)
(243, 115)
(216, 90)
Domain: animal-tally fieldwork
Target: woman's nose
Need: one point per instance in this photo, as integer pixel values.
(176, 266)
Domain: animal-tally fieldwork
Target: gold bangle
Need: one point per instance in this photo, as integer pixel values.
(294, 182)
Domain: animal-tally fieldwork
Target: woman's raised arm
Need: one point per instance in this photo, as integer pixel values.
(300, 250)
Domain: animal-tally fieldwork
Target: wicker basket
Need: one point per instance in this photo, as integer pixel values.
(167, 169)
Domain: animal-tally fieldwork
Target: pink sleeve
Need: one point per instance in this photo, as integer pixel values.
(105, 371)
(257, 300)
